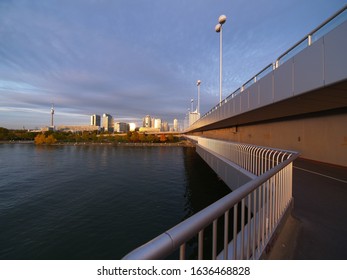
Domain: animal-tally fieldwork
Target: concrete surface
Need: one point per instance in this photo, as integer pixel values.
(317, 227)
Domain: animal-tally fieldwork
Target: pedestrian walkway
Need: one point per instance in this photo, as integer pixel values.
(317, 227)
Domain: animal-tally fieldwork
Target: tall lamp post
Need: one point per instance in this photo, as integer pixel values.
(198, 82)
(222, 19)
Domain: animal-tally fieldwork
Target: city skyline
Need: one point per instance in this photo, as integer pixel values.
(129, 59)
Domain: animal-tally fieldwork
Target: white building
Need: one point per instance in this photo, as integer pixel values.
(95, 120)
(77, 128)
(157, 123)
(107, 122)
(193, 117)
(175, 125)
(132, 126)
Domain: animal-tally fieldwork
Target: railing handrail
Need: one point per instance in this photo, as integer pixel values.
(239, 153)
(275, 64)
(238, 143)
(166, 243)
(312, 32)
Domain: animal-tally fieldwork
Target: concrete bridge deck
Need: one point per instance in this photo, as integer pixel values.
(317, 228)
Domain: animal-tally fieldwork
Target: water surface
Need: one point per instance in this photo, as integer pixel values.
(96, 202)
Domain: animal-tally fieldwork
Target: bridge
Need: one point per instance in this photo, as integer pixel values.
(296, 106)
(298, 102)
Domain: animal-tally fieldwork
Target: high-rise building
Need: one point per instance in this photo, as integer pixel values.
(175, 125)
(157, 123)
(132, 126)
(107, 122)
(95, 120)
(147, 121)
(121, 127)
(193, 117)
(165, 126)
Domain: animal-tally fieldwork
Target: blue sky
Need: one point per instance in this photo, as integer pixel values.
(132, 58)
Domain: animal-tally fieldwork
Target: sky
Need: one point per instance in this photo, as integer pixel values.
(132, 58)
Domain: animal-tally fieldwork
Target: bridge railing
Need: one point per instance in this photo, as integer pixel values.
(255, 159)
(243, 220)
(332, 22)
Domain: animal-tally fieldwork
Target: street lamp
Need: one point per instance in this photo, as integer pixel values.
(198, 82)
(222, 19)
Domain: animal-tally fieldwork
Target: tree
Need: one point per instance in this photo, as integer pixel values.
(151, 138)
(50, 140)
(40, 139)
(162, 138)
(170, 138)
(134, 137)
(127, 136)
(85, 136)
(142, 137)
(4, 132)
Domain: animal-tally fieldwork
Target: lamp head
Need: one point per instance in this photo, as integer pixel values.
(218, 27)
(222, 19)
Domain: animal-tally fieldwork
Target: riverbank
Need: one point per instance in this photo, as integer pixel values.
(17, 142)
(183, 143)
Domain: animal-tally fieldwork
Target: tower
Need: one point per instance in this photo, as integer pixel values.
(52, 114)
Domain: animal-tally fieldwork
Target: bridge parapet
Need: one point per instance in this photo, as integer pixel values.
(317, 61)
(255, 159)
(246, 231)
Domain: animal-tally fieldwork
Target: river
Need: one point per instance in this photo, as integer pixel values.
(94, 201)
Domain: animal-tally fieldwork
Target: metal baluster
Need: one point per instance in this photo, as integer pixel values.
(226, 234)
(214, 240)
(201, 245)
(254, 235)
(263, 227)
(242, 227)
(259, 217)
(249, 226)
(270, 206)
(183, 251)
(235, 232)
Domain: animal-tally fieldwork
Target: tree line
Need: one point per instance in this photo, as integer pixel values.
(16, 135)
(51, 137)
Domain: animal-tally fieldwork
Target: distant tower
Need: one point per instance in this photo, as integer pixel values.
(52, 113)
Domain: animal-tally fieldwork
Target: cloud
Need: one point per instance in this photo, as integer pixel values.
(133, 58)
